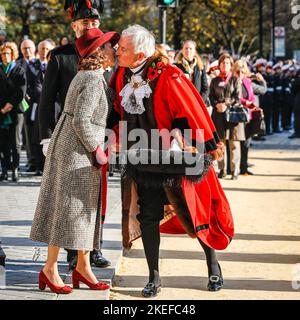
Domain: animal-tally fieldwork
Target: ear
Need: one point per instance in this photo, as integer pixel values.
(141, 56)
(74, 26)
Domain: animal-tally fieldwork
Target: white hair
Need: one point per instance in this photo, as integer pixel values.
(143, 40)
(29, 41)
(44, 42)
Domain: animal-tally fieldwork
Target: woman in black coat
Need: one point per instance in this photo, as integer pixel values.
(191, 64)
(13, 87)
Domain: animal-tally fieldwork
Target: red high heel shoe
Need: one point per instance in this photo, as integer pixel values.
(43, 281)
(77, 277)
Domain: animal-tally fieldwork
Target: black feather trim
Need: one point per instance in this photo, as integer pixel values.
(77, 4)
(151, 179)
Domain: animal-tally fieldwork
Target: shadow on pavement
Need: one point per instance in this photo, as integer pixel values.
(200, 283)
(230, 256)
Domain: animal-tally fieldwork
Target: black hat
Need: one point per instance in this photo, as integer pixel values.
(83, 9)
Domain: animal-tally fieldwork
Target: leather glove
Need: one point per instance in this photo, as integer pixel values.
(100, 157)
(45, 144)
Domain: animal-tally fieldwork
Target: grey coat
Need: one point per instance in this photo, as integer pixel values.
(66, 213)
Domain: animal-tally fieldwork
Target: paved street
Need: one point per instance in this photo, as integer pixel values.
(263, 260)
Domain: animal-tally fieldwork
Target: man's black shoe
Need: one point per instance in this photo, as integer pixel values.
(15, 175)
(215, 282)
(98, 260)
(72, 259)
(221, 174)
(246, 173)
(151, 290)
(38, 173)
(4, 176)
(293, 136)
(31, 169)
(73, 263)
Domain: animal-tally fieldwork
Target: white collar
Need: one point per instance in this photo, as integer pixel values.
(139, 69)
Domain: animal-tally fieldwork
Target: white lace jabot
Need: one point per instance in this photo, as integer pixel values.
(134, 92)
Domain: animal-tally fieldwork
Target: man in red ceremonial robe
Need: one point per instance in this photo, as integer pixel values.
(154, 95)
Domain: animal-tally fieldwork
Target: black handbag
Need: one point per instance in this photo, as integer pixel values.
(164, 167)
(237, 114)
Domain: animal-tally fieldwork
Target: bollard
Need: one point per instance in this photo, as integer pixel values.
(2, 256)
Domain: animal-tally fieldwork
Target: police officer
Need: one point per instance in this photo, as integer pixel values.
(287, 97)
(278, 98)
(267, 100)
(61, 70)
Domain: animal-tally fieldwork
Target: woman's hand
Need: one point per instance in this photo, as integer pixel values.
(259, 77)
(7, 108)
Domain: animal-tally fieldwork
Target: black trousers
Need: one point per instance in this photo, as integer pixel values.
(245, 145)
(10, 154)
(267, 106)
(277, 110)
(151, 202)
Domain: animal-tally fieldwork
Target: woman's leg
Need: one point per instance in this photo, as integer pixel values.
(235, 157)
(50, 269)
(84, 266)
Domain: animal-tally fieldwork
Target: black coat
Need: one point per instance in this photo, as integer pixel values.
(31, 71)
(199, 80)
(296, 92)
(12, 89)
(61, 70)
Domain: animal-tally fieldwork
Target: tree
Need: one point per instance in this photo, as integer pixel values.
(35, 19)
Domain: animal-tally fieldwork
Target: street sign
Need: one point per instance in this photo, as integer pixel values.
(279, 32)
(279, 47)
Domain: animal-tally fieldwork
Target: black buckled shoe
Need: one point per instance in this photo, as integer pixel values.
(151, 290)
(98, 260)
(215, 283)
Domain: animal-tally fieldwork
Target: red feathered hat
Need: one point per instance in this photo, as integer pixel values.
(94, 38)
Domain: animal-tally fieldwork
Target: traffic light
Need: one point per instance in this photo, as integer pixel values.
(167, 3)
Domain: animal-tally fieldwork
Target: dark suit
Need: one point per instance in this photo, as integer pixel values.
(61, 70)
(32, 69)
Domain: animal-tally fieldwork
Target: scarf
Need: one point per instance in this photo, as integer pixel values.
(189, 66)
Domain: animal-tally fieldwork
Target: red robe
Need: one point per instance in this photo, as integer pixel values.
(175, 97)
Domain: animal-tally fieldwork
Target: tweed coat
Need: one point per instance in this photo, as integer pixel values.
(66, 213)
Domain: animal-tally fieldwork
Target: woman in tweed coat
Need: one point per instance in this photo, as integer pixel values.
(66, 214)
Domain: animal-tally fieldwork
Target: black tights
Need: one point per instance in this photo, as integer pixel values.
(151, 201)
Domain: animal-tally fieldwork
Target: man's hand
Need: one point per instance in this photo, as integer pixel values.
(221, 107)
(219, 153)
